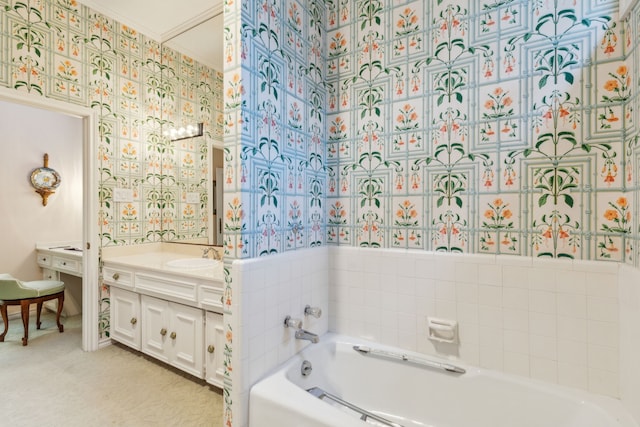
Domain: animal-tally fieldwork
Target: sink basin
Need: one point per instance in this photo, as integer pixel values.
(193, 263)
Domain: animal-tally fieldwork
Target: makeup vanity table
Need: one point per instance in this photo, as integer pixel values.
(62, 257)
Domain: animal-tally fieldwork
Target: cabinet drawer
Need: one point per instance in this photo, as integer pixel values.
(211, 298)
(117, 276)
(67, 265)
(181, 289)
(48, 274)
(44, 260)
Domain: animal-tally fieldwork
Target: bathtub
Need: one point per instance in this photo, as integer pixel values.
(384, 386)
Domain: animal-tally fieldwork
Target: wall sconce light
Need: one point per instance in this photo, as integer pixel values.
(45, 180)
(189, 131)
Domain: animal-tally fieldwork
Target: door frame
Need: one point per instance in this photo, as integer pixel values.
(90, 206)
(214, 238)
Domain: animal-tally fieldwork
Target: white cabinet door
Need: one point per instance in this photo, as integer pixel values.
(214, 349)
(186, 337)
(173, 333)
(125, 316)
(156, 323)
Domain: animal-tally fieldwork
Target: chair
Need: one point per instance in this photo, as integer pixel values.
(16, 292)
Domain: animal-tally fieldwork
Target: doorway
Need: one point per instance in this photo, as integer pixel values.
(76, 197)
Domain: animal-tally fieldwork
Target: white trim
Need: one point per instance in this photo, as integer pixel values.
(213, 144)
(193, 22)
(90, 207)
(103, 8)
(210, 177)
(90, 306)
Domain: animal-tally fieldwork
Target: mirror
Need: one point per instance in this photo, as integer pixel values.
(191, 187)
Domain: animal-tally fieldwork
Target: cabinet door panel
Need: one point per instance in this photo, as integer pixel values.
(214, 349)
(187, 344)
(125, 317)
(156, 328)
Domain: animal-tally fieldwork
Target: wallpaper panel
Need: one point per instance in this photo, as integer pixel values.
(275, 124)
(492, 127)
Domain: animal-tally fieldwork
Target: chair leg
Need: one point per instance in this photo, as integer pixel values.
(24, 308)
(5, 319)
(38, 312)
(60, 304)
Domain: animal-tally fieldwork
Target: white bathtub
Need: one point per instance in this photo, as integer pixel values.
(410, 395)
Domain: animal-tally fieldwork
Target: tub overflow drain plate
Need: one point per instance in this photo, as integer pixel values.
(305, 368)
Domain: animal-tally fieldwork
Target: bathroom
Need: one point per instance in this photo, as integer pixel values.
(434, 126)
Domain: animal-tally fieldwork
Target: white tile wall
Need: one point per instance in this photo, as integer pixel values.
(629, 297)
(267, 290)
(553, 320)
(575, 323)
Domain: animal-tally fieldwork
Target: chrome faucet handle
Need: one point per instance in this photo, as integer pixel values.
(205, 252)
(312, 311)
(289, 322)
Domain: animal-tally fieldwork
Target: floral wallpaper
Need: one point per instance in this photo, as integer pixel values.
(499, 127)
(491, 127)
(63, 50)
(280, 96)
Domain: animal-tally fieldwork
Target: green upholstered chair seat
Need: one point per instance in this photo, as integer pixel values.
(14, 289)
(17, 292)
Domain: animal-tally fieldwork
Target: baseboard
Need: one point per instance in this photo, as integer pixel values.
(18, 315)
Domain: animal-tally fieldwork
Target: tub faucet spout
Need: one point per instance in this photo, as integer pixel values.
(205, 253)
(301, 334)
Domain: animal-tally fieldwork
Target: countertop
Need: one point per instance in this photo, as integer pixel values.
(68, 250)
(157, 261)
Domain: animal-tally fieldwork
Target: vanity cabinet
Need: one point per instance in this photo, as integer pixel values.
(214, 349)
(169, 315)
(118, 277)
(173, 333)
(54, 259)
(125, 317)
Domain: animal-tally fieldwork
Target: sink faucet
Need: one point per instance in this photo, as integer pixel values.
(205, 253)
(301, 334)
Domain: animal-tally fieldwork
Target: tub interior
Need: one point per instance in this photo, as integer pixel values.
(414, 396)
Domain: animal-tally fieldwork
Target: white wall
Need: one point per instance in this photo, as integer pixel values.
(551, 320)
(27, 134)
